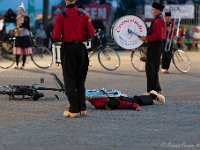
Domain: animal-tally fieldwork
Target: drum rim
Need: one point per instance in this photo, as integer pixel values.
(103, 94)
(114, 22)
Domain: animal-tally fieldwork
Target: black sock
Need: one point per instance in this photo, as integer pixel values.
(17, 59)
(24, 60)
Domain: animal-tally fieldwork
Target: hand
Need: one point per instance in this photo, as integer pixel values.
(139, 109)
(143, 38)
(107, 108)
(168, 29)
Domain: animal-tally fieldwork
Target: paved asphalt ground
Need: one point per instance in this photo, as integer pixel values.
(39, 125)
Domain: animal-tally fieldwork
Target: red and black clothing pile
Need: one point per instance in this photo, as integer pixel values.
(122, 102)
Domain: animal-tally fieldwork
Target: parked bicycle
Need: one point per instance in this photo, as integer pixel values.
(107, 57)
(179, 58)
(6, 54)
(41, 56)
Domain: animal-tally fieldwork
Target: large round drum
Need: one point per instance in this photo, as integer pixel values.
(127, 30)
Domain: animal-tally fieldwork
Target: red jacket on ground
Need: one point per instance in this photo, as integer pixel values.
(72, 27)
(157, 30)
(100, 103)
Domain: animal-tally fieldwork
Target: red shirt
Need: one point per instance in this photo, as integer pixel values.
(73, 27)
(157, 30)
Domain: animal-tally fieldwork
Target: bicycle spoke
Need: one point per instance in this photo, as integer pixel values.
(138, 58)
(42, 57)
(106, 55)
(109, 58)
(181, 61)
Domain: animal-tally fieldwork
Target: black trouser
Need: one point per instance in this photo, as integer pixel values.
(152, 65)
(166, 57)
(141, 100)
(74, 61)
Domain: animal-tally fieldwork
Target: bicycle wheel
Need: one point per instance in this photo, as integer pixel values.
(138, 59)
(42, 57)
(181, 61)
(109, 58)
(6, 55)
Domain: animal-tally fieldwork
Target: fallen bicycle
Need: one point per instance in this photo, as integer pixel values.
(19, 92)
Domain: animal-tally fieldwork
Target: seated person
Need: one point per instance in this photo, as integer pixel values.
(125, 102)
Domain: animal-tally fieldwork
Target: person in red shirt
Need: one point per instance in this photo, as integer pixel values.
(125, 102)
(167, 50)
(155, 38)
(72, 27)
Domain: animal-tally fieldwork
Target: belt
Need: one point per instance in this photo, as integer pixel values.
(74, 42)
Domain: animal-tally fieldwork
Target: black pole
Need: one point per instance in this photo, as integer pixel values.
(45, 12)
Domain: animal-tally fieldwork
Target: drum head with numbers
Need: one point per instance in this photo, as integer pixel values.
(126, 31)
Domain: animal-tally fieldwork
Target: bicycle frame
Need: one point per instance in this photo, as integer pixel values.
(99, 45)
(108, 58)
(19, 92)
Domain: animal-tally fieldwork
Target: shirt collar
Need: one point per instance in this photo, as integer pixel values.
(70, 6)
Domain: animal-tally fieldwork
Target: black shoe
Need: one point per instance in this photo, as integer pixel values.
(159, 97)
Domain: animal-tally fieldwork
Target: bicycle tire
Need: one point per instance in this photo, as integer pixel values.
(38, 55)
(138, 58)
(109, 58)
(7, 59)
(181, 61)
